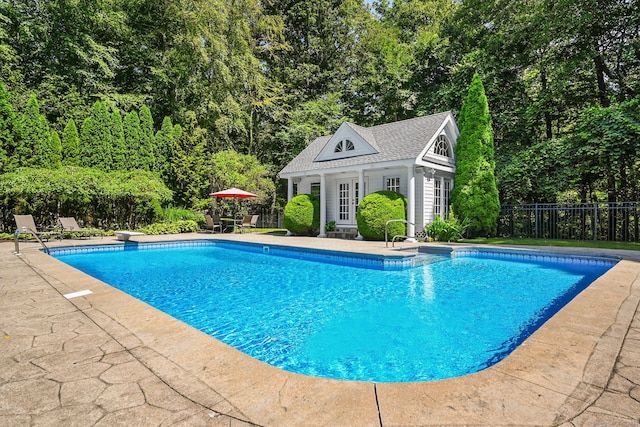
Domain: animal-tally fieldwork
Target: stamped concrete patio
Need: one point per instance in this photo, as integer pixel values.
(108, 359)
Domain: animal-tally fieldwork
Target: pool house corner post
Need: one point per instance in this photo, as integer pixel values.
(360, 197)
(289, 196)
(323, 205)
(411, 205)
(289, 189)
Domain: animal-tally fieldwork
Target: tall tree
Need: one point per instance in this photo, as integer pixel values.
(70, 145)
(132, 137)
(147, 139)
(96, 139)
(34, 149)
(165, 141)
(55, 159)
(118, 148)
(475, 196)
(7, 128)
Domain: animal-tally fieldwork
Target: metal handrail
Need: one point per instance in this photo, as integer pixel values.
(393, 240)
(25, 230)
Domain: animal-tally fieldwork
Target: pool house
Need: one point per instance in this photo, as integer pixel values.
(413, 157)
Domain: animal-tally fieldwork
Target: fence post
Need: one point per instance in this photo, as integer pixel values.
(535, 220)
(595, 221)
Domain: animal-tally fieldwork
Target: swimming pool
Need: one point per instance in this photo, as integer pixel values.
(355, 317)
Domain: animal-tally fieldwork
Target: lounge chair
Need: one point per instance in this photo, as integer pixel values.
(213, 222)
(28, 225)
(69, 225)
(249, 222)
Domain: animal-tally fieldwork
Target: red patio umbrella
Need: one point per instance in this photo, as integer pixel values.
(234, 193)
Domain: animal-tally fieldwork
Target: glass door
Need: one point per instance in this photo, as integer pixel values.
(348, 201)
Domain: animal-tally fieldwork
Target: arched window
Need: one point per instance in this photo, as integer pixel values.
(345, 145)
(442, 146)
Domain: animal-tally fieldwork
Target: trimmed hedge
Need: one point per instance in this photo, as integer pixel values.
(376, 209)
(302, 215)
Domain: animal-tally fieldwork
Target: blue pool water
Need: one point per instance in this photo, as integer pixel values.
(381, 321)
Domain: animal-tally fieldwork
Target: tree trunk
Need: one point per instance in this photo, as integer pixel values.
(602, 87)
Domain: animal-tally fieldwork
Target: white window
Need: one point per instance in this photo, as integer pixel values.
(442, 147)
(445, 196)
(392, 183)
(441, 197)
(437, 198)
(315, 189)
(345, 145)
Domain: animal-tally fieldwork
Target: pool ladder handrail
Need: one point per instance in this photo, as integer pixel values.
(393, 240)
(25, 230)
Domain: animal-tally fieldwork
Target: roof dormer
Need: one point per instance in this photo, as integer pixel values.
(346, 142)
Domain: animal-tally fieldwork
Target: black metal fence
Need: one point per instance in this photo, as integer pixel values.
(580, 221)
(270, 219)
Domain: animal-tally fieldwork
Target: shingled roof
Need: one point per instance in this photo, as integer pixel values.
(403, 140)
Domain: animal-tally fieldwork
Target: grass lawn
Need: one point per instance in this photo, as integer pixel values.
(633, 246)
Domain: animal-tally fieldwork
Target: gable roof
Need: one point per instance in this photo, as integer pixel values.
(403, 140)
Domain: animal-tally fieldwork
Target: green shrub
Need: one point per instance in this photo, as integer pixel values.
(446, 230)
(176, 227)
(376, 209)
(174, 214)
(302, 215)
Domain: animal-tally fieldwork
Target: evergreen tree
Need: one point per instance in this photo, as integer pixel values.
(70, 145)
(96, 139)
(119, 147)
(7, 128)
(55, 152)
(475, 196)
(164, 146)
(34, 147)
(147, 139)
(132, 140)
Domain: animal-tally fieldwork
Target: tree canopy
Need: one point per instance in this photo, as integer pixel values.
(163, 85)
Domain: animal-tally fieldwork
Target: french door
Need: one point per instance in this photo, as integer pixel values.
(347, 201)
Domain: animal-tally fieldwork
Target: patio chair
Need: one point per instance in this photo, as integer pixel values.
(249, 222)
(70, 225)
(213, 222)
(27, 224)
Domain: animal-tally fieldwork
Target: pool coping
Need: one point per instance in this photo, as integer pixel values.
(541, 383)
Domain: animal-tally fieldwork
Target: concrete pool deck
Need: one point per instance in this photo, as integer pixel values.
(106, 358)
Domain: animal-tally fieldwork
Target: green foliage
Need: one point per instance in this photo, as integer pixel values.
(537, 174)
(34, 147)
(165, 140)
(446, 230)
(7, 127)
(302, 215)
(133, 138)
(174, 214)
(55, 151)
(147, 140)
(118, 142)
(105, 200)
(228, 169)
(376, 209)
(309, 121)
(330, 226)
(265, 78)
(70, 145)
(605, 144)
(475, 196)
(96, 139)
(173, 227)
